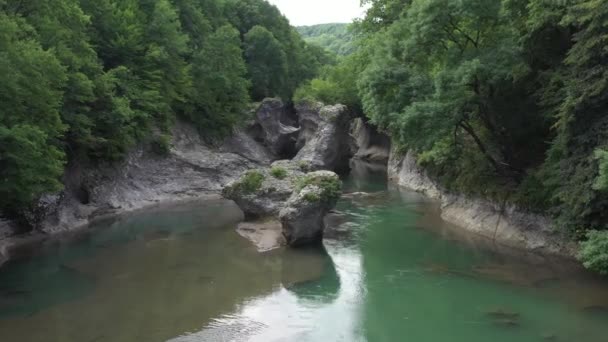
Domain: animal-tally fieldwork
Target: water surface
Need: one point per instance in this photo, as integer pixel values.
(389, 270)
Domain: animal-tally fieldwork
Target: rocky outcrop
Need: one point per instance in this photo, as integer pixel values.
(370, 145)
(403, 169)
(262, 192)
(300, 200)
(330, 146)
(502, 223)
(308, 119)
(278, 136)
(303, 216)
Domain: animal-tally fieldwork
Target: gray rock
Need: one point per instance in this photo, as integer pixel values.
(247, 147)
(259, 193)
(370, 145)
(309, 120)
(303, 216)
(300, 200)
(192, 169)
(278, 137)
(330, 147)
(503, 223)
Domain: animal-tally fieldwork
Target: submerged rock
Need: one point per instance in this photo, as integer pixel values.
(266, 235)
(299, 200)
(330, 146)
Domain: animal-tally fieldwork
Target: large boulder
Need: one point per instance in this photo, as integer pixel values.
(278, 136)
(285, 191)
(330, 147)
(303, 216)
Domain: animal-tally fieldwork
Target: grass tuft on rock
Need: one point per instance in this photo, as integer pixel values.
(249, 183)
(278, 172)
(331, 186)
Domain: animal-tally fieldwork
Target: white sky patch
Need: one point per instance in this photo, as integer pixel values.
(311, 12)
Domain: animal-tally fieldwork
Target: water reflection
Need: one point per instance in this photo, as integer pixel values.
(324, 309)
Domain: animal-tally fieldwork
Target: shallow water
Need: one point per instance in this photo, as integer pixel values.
(390, 270)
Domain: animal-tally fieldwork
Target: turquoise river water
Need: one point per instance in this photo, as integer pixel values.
(389, 270)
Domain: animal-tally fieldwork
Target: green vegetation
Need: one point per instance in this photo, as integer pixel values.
(331, 186)
(249, 183)
(594, 252)
(304, 166)
(504, 99)
(86, 80)
(278, 172)
(312, 197)
(337, 38)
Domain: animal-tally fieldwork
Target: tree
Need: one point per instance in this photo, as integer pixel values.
(30, 125)
(220, 95)
(266, 63)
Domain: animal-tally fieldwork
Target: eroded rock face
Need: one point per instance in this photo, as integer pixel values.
(303, 216)
(370, 145)
(192, 169)
(503, 223)
(309, 119)
(278, 136)
(285, 191)
(330, 146)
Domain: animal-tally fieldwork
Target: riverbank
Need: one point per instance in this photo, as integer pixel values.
(502, 223)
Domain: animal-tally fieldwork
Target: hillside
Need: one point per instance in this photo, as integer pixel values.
(333, 37)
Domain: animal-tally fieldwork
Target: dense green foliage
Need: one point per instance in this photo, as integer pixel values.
(88, 79)
(503, 99)
(336, 38)
(594, 251)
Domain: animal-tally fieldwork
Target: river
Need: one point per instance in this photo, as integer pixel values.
(389, 270)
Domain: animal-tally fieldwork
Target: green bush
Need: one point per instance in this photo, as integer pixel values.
(594, 252)
(250, 183)
(331, 186)
(312, 197)
(278, 172)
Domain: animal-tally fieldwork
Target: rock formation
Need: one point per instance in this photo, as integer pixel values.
(300, 200)
(277, 135)
(330, 146)
(370, 145)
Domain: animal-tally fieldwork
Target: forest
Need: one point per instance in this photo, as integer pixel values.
(337, 38)
(88, 79)
(504, 100)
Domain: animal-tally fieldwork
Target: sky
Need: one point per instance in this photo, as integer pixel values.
(311, 12)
